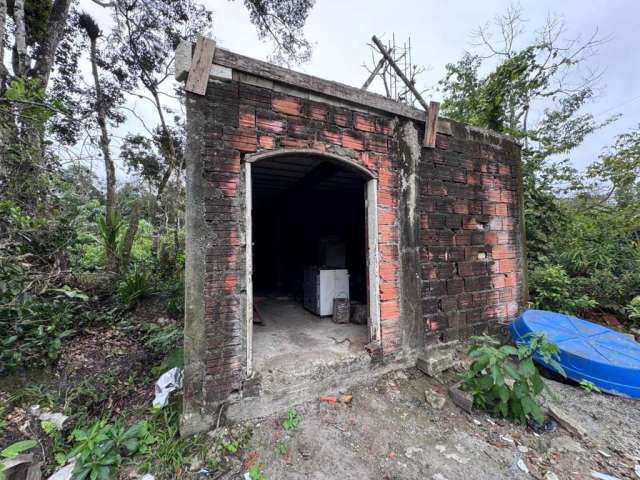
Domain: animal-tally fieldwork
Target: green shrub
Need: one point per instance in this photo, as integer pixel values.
(135, 285)
(504, 378)
(599, 252)
(34, 324)
(633, 310)
(100, 449)
(292, 421)
(551, 289)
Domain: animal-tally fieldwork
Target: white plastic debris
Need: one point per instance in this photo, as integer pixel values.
(602, 476)
(523, 466)
(411, 451)
(64, 473)
(168, 382)
(148, 476)
(637, 470)
(456, 457)
(8, 466)
(57, 419)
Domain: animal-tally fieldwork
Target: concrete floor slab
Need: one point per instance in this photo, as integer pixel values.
(299, 356)
(291, 335)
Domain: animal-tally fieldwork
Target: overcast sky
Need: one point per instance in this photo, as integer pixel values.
(440, 32)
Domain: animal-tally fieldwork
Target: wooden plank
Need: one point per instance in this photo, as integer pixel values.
(200, 66)
(374, 73)
(431, 127)
(400, 73)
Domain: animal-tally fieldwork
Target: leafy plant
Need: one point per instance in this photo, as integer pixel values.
(281, 448)
(162, 338)
(34, 325)
(255, 473)
(232, 446)
(15, 449)
(551, 290)
(135, 285)
(99, 448)
(165, 451)
(504, 378)
(589, 386)
(633, 310)
(292, 421)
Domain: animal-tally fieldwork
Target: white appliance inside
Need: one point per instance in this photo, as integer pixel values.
(322, 286)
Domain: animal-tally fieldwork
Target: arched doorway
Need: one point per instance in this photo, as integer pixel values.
(312, 236)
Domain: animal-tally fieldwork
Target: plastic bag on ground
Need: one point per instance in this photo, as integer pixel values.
(168, 382)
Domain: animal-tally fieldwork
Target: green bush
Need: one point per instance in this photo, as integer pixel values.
(34, 324)
(504, 378)
(100, 449)
(633, 310)
(135, 285)
(551, 289)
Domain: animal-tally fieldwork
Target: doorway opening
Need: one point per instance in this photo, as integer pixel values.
(312, 232)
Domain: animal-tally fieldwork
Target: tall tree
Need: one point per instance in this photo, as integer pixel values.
(538, 75)
(117, 255)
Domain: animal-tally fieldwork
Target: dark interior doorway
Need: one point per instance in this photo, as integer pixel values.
(308, 214)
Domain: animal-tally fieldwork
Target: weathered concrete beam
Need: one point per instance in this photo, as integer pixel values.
(184, 53)
(241, 64)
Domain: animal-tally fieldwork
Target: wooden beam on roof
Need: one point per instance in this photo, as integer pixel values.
(431, 126)
(400, 73)
(201, 65)
(431, 110)
(374, 73)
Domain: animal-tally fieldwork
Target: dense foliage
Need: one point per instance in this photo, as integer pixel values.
(582, 228)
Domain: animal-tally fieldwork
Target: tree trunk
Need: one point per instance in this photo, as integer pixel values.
(3, 28)
(129, 237)
(171, 146)
(45, 54)
(20, 46)
(109, 167)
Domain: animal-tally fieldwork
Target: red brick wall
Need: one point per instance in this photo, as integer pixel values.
(468, 209)
(243, 120)
(472, 257)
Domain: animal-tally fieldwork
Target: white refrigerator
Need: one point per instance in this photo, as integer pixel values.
(321, 286)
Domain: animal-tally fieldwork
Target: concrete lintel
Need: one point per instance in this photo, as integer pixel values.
(184, 53)
(263, 74)
(220, 72)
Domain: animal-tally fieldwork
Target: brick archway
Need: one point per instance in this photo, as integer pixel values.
(372, 249)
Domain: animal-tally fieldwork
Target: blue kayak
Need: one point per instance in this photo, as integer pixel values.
(588, 351)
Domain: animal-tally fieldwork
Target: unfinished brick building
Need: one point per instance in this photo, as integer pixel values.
(289, 175)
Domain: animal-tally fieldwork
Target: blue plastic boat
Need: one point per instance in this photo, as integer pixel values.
(588, 351)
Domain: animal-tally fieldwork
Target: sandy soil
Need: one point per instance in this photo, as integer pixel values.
(390, 432)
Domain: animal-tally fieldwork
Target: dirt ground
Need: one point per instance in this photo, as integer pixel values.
(389, 432)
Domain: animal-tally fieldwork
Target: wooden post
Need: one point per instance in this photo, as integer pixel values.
(432, 125)
(431, 110)
(374, 73)
(200, 65)
(400, 73)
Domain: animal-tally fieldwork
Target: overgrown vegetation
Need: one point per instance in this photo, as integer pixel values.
(504, 378)
(582, 227)
(91, 228)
